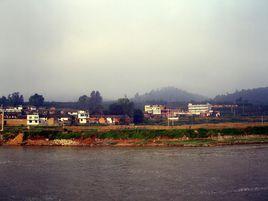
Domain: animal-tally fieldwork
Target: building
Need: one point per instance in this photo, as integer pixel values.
(33, 120)
(154, 109)
(43, 121)
(82, 117)
(200, 109)
(15, 122)
(14, 109)
(51, 121)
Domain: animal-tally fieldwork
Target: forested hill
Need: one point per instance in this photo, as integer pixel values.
(254, 96)
(168, 94)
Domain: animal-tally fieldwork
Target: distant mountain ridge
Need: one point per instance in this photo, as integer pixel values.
(254, 96)
(169, 94)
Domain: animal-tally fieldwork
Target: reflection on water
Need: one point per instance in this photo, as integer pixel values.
(71, 173)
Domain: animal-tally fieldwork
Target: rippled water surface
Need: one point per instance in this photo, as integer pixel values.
(68, 173)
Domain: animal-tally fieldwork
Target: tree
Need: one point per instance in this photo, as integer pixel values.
(122, 107)
(95, 103)
(3, 101)
(15, 99)
(138, 116)
(36, 100)
(83, 102)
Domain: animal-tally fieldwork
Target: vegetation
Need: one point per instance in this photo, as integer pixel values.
(36, 100)
(138, 116)
(13, 99)
(122, 107)
(170, 137)
(168, 94)
(254, 96)
(93, 103)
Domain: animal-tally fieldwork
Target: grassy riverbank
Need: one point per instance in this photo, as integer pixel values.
(135, 137)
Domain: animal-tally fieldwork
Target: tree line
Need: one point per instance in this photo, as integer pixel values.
(16, 99)
(123, 106)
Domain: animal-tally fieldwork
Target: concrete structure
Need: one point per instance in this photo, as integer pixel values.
(82, 117)
(33, 120)
(200, 109)
(153, 109)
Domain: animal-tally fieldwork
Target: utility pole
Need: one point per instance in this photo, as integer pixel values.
(2, 122)
(168, 117)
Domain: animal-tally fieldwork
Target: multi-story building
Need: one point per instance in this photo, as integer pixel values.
(154, 109)
(200, 109)
(33, 120)
(82, 117)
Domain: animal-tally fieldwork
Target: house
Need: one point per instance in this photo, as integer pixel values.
(82, 117)
(15, 122)
(109, 120)
(102, 120)
(43, 120)
(52, 121)
(93, 120)
(65, 120)
(113, 119)
(33, 120)
(14, 109)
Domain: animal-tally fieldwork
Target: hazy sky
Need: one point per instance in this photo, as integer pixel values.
(65, 48)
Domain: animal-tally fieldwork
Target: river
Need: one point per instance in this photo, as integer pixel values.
(78, 173)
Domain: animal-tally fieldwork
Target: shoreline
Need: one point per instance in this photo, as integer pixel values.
(164, 142)
(201, 137)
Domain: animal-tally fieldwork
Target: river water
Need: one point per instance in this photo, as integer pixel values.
(77, 173)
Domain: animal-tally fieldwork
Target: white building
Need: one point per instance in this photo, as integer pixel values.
(110, 120)
(14, 109)
(73, 113)
(153, 109)
(82, 117)
(200, 109)
(33, 120)
(63, 119)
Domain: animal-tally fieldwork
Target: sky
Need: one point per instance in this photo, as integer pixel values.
(65, 48)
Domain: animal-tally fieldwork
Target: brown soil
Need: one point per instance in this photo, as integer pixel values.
(18, 140)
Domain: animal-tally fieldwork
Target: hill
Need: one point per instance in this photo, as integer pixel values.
(258, 96)
(168, 94)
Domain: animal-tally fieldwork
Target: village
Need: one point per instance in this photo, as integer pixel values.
(41, 116)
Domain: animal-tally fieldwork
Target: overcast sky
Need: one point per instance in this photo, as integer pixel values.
(65, 48)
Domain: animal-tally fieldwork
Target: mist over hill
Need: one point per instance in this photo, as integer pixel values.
(169, 94)
(254, 96)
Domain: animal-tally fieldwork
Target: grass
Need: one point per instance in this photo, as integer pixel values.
(125, 134)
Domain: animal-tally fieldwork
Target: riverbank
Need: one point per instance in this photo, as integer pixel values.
(201, 137)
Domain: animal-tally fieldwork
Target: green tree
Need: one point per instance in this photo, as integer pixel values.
(138, 116)
(83, 102)
(122, 107)
(37, 100)
(15, 99)
(95, 103)
(3, 101)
